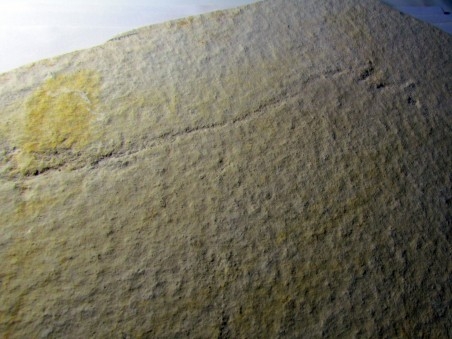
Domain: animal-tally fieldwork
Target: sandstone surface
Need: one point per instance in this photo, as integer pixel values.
(277, 170)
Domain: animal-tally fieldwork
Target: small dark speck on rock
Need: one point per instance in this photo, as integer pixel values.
(411, 101)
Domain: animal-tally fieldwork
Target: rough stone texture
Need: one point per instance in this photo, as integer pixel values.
(277, 170)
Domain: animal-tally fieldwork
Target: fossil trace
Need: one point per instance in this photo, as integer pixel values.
(281, 169)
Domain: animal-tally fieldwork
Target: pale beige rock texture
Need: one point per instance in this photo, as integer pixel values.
(277, 170)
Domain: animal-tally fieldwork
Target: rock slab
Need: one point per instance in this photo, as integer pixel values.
(276, 170)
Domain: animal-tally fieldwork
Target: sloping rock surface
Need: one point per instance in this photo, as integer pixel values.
(277, 170)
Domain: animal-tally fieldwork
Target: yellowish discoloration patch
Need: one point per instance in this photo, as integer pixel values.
(59, 115)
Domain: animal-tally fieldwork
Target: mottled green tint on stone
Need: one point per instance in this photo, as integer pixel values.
(59, 115)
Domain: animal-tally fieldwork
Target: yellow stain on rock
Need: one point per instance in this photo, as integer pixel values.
(58, 120)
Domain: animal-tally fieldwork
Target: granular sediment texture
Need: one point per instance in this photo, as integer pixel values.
(277, 170)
